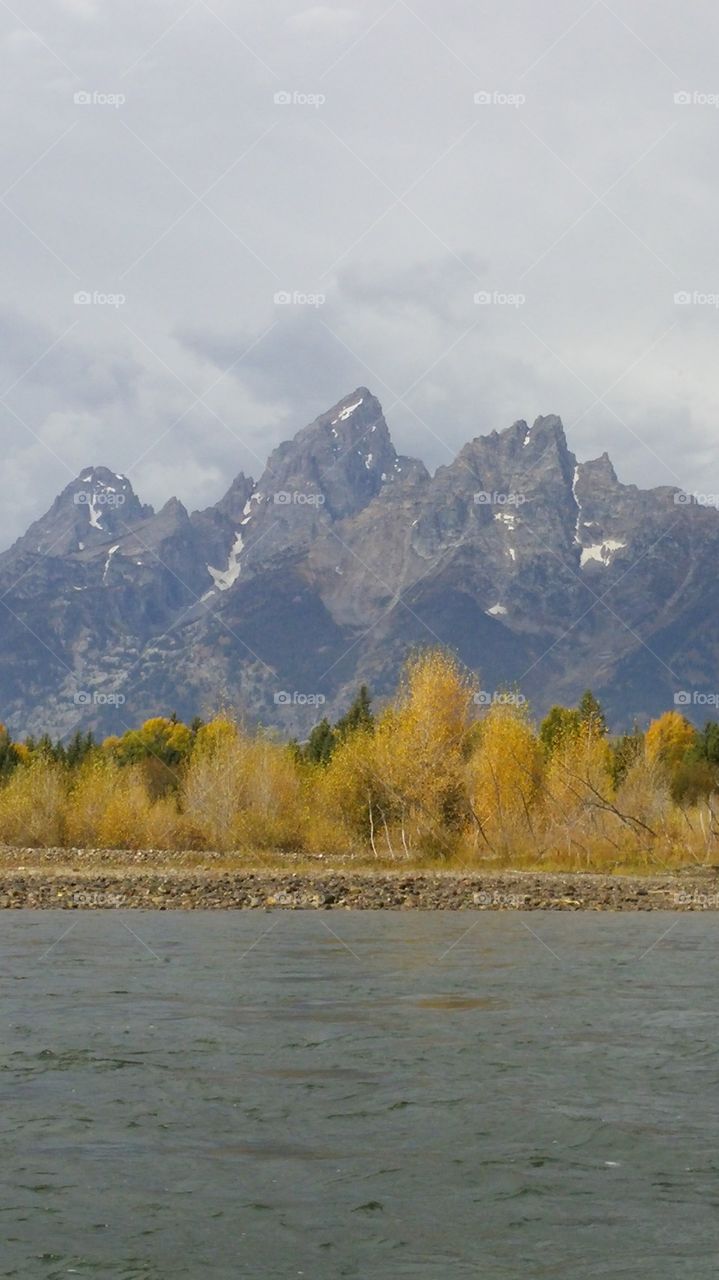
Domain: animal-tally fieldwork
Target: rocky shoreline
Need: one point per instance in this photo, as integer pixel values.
(52, 885)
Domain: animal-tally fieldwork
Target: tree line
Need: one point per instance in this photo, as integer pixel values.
(429, 776)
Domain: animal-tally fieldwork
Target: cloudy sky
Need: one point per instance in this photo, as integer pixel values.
(183, 163)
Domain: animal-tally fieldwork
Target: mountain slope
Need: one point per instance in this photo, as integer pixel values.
(539, 571)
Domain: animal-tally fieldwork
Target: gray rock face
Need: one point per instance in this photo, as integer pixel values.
(538, 571)
(94, 507)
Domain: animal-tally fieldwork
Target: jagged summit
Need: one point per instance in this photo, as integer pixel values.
(96, 506)
(340, 558)
(345, 455)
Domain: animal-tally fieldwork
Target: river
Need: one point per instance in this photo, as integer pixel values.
(359, 1094)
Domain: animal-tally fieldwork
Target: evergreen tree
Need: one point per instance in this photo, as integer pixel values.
(8, 755)
(45, 747)
(625, 750)
(78, 748)
(591, 713)
(707, 747)
(359, 715)
(321, 743)
(325, 738)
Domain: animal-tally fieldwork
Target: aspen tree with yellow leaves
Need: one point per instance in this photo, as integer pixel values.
(242, 788)
(668, 739)
(32, 805)
(346, 798)
(504, 777)
(418, 756)
(397, 784)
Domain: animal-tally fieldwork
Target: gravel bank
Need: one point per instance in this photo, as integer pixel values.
(51, 885)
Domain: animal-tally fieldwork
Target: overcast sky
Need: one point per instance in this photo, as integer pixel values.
(581, 188)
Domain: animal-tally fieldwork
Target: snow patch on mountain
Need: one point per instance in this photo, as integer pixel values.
(110, 554)
(94, 514)
(506, 517)
(225, 578)
(601, 552)
(575, 477)
(344, 414)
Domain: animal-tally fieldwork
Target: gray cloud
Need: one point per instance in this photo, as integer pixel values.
(199, 197)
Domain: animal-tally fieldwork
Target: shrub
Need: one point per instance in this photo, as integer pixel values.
(32, 804)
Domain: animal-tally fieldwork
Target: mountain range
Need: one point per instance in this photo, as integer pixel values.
(546, 576)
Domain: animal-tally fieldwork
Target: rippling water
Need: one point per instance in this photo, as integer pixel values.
(359, 1094)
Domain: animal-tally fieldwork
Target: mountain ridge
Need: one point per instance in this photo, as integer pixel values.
(539, 570)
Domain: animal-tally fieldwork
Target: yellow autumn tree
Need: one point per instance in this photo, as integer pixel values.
(159, 747)
(417, 754)
(242, 790)
(504, 779)
(210, 792)
(579, 793)
(345, 798)
(91, 792)
(32, 804)
(668, 739)
(111, 806)
(272, 812)
(126, 816)
(643, 798)
(162, 738)
(217, 733)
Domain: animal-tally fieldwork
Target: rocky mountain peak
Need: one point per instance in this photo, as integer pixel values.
(232, 505)
(599, 472)
(97, 506)
(545, 445)
(342, 459)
